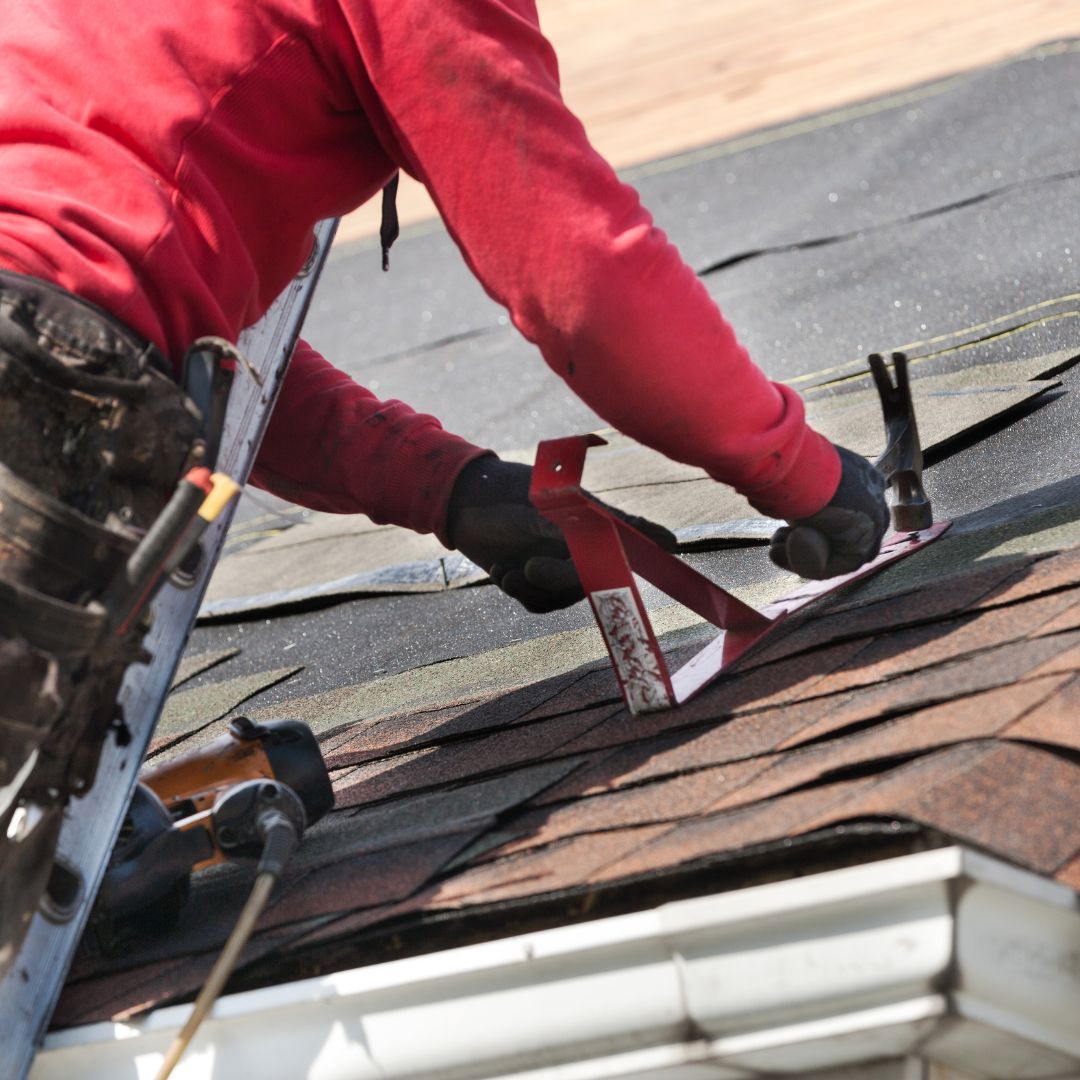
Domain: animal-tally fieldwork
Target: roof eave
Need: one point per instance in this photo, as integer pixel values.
(947, 954)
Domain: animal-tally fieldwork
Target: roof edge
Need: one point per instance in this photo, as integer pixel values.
(948, 954)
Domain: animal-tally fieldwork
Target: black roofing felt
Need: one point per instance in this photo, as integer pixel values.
(800, 310)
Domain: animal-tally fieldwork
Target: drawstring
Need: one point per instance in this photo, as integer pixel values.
(389, 230)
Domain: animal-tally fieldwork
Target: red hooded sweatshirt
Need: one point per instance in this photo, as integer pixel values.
(168, 161)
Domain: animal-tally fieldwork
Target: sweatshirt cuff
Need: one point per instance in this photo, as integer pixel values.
(428, 502)
(806, 487)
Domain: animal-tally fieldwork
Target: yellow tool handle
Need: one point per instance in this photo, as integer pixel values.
(224, 490)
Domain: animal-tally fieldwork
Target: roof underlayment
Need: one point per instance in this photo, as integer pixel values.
(489, 780)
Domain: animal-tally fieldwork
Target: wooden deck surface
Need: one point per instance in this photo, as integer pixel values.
(652, 79)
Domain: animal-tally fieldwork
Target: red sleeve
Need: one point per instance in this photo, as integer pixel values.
(464, 94)
(332, 445)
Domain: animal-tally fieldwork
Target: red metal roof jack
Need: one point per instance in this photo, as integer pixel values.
(607, 552)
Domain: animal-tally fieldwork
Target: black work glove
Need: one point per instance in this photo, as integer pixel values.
(844, 534)
(491, 521)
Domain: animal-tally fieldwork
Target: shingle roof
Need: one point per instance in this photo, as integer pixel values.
(491, 778)
(947, 709)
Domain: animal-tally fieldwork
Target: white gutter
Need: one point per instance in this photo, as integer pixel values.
(946, 955)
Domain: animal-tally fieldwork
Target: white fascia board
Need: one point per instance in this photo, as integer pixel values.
(848, 965)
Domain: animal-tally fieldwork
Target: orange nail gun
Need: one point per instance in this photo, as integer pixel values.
(200, 809)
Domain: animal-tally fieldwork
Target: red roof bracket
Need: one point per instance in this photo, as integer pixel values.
(608, 551)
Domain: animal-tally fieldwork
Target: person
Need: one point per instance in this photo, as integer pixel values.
(162, 167)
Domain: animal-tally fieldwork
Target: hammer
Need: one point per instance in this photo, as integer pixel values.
(902, 461)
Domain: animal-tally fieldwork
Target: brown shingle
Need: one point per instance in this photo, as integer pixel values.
(945, 682)
(786, 683)
(1058, 571)
(744, 737)
(574, 863)
(736, 829)
(923, 646)
(122, 994)
(854, 618)
(1069, 619)
(1069, 874)
(1056, 720)
(368, 740)
(702, 744)
(977, 793)
(662, 801)
(1065, 660)
(579, 691)
(352, 923)
(751, 734)
(460, 760)
(364, 880)
(977, 717)
(1016, 801)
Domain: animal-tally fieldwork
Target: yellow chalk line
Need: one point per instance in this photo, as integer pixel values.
(953, 334)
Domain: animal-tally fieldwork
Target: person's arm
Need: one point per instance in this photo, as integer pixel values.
(332, 445)
(464, 95)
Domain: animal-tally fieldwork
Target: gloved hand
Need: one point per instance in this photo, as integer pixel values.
(844, 534)
(491, 521)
